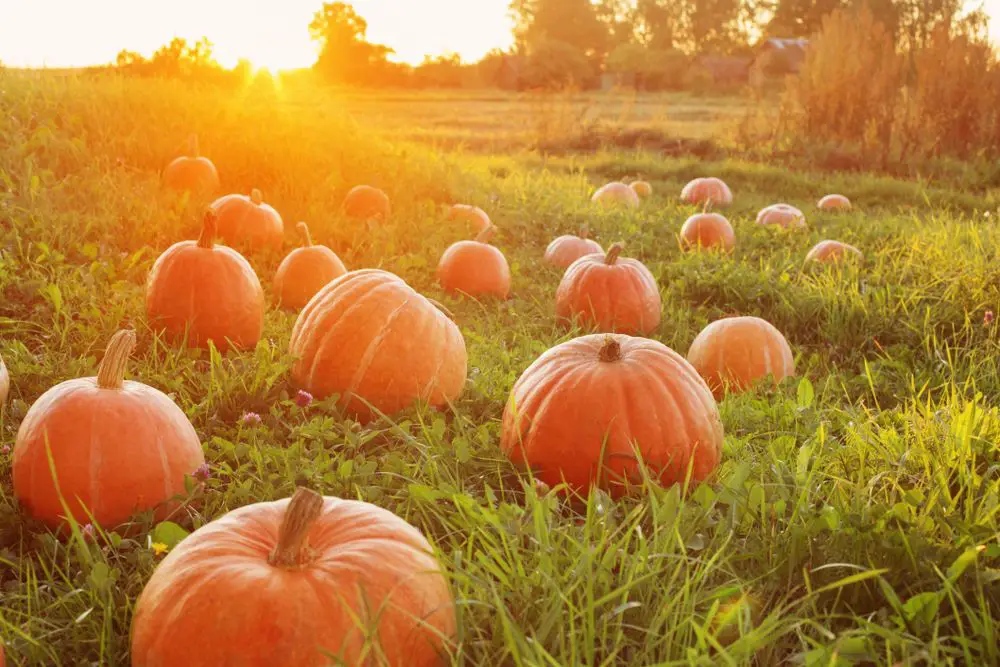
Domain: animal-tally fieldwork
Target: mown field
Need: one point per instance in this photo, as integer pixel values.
(855, 519)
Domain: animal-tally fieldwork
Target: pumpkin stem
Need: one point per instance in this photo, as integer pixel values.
(614, 252)
(304, 230)
(585, 231)
(111, 373)
(486, 233)
(611, 351)
(256, 197)
(440, 306)
(193, 145)
(208, 229)
(293, 549)
(707, 206)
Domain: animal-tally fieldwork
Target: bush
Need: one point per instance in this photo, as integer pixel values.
(555, 65)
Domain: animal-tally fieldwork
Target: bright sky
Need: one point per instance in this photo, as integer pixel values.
(271, 33)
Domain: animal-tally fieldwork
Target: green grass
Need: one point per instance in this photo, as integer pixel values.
(855, 518)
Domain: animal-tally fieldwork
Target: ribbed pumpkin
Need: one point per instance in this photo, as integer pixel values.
(614, 194)
(566, 249)
(578, 413)
(642, 188)
(192, 173)
(367, 203)
(834, 203)
(371, 339)
(301, 582)
(205, 292)
(247, 222)
(117, 447)
(828, 252)
(608, 292)
(735, 352)
(471, 215)
(783, 215)
(475, 268)
(708, 231)
(305, 271)
(4, 382)
(711, 191)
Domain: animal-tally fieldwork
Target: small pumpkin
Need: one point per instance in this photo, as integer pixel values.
(117, 447)
(642, 188)
(192, 173)
(708, 231)
(783, 215)
(608, 292)
(367, 203)
(302, 582)
(372, 340)
(834, 203)
(247, 222)
(580, 411)
(713, 191)
(475, 268)
(472, 215)
(4, 382)
(828, 252)
(305, 271)
(205, 292)
(614, 194)
(566, 249)
(735, 352)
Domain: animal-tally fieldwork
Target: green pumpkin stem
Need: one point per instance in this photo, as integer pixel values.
(708, 206)
(486, 233)
(256, 197)
(293, 550)
(193, 148)
(111, 373)
(585, 231)
(209, 228)
(304, 230)
(614, 252)
(611, 351)
(440, 306)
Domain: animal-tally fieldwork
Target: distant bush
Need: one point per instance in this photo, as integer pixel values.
(649, 69)
(181, 60)
(555, 65)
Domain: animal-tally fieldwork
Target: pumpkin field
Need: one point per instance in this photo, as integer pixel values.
(694, 437)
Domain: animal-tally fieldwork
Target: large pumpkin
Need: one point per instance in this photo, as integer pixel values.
(782, 215)
(614, 194)
(735, 352)
(247, 222)
(827, 252)
(205, 292)
(192, 173)
(708, 231)
(117, 447)
(301, 582)
(472, 215)
(642, 188)
(581, 410)
(367, 203)
(305, 271)
(609, 292)
(834, 203)
(372, 340)
(475, 268)
(4, 382)
(566, 249)
(711, 191)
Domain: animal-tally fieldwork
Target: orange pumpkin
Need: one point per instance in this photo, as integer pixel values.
(192, 173)
(303, 582)
(248, 222)
(117, 447)
(582, 409)
(834, 203)
(783, 215)
(828, 252)
(304, 272)
(614, 194)
(642, 188)
(367, 203)
(4, 383)
(474, 268)
(472, 215)
(206, 293)
(735, 352)
(372, 340)
(709, 231)
(610, 293)
(566, 249)
(712, 191)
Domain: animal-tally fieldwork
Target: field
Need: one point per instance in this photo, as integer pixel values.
(855, 519)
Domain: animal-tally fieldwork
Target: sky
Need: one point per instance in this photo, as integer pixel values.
(270, 33)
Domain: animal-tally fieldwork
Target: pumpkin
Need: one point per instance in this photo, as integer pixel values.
(709, 231)
(474, 268)
(711, 191)
(783, 215)
(4, 383)
(246, 221)
(379, 345)
(367, 203)
(614, 194)
(828, 252)
(642, 188)
(117, 447)
(472, 215)
(581, 410)
(308, 581)
(192, 173)
(566, 249)
(834, 203)
(735, 352)
(609, 292)
(206, 293)
(305, 271)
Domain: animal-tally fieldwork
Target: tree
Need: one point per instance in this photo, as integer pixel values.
(345, 54)
(573, 23)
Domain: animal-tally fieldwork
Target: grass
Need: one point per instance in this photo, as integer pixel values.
(855, 518)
